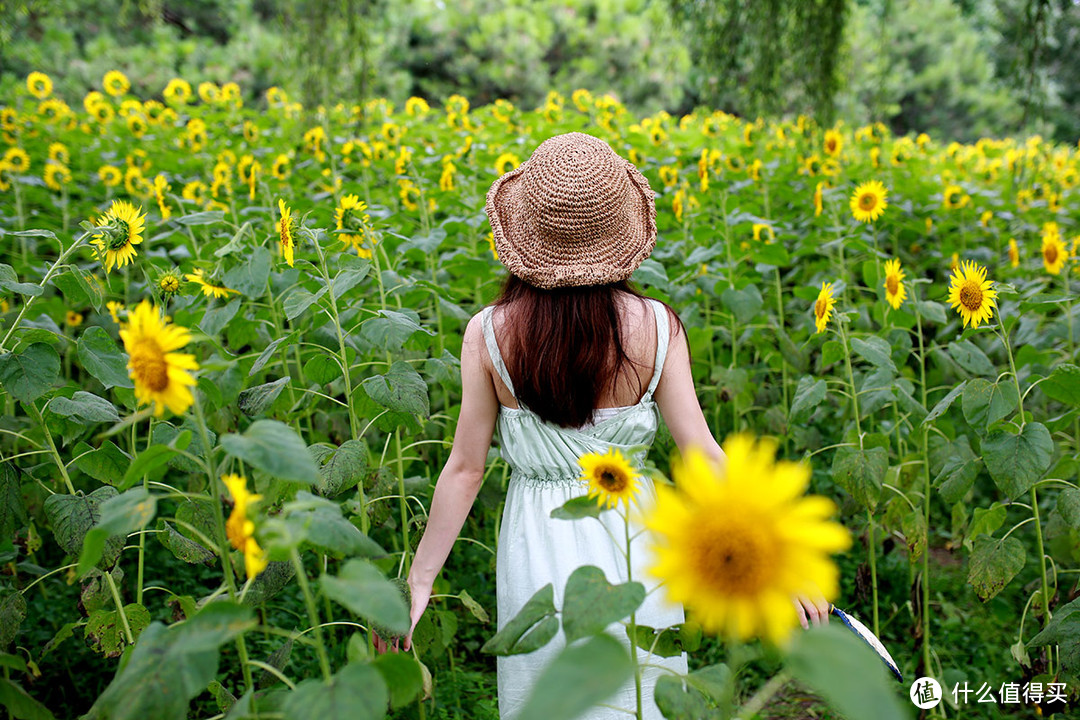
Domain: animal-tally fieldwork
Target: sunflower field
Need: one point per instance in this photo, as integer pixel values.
(229, 359)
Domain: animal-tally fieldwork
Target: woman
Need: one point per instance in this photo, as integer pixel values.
(569, 360)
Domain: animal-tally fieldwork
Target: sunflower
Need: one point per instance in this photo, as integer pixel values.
(39, 85)
(280, 168)
(286, 230)
(895, 292)
(986, 217)
(1055, 253)
(115, 83)
(137, 125)
(834, 143)
(110, 175)
(612, 480)
(758, 228)
(161, 186)
(972, 294)
(115, 308)
(954, 197)
(276, 96)
(446, 178)
(194, 191)
(73, 318)
(1014, 253)
(823, 306)
(125, 224)
(351, 214)
(58, 152)
(868, 201)
(103, 113)
(56, 176)
(416, 106)
(209, 287)
(506, 162)
(491, 245)
(669, 175)
(209, 93)
(177, 92)
(736, 544)
(811, 166)
(819, 199)
(168, 283)
(17, 159)
(240, 529)
(409, 194)
(161, 375)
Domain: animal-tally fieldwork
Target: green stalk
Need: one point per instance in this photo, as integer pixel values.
(405, 550)
(142, 536)
(313, 615)
(633, 622)
(926, 493)
(52, 445)
(119, 607)
(354, 422)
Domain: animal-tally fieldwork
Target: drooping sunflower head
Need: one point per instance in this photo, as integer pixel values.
(286, 230)
(1014, 253)
(736, 543)
(612, 480)
(895, 292)
(819, 199)
(971, 294)
(823, 306)
(1055, 253)
(868, 201)
(161, 375)
(240, 528)
(123, 225)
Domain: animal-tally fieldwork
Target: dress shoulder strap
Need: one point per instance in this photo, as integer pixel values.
(663, 334)
(493, 347)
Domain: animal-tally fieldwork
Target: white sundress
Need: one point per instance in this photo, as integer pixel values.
(535, 549)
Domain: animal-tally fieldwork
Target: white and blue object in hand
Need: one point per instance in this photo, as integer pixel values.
(862, 631)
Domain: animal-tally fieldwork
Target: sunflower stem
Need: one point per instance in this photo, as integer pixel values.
(872, 553)
(763, 695)
(926, 490)
(633, 621)
(52, 445)
(313, 614)
(119, 607)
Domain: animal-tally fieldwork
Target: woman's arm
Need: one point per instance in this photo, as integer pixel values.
(461, 477)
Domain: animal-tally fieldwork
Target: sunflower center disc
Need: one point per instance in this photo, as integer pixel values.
(971, 296)
(737, 558)
(820, 308)
(1051, 254)
(149, 366)
(892, 284)
(612, 482)
(867, 202)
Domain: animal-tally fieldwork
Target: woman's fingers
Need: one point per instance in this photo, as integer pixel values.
(802, 614)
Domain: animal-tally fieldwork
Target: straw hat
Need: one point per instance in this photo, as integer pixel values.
(575, 213)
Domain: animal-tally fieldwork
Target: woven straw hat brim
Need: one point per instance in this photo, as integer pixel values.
(548, 262)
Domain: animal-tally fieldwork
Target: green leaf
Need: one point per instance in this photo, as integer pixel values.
(119, 516)
(1068, 505)
(12, 615)
(932, 311)
(956, 478)
(101, 358)
(277, 660)
(29, 374)
(400, 389)
(679, 701)
(875, 351)
(985, 521)
(473, 607)
(322, 369)
(361, 588)
(249, 278)
(835, 663)
(861, 472)
(1063, 630)
(576, 508)
(207, 217)
(402, 675)
(85, 406)
(72, 516)
(591, 603)
(217, 317)
(968, 356)
(578, 678)
(106, 464)
(808, 395)
(945, 403)
(994, 562)
(1016, 462)
(167, 434)
(10, 281)
(1063, 384)
(669, 641)
(152, 458)
(652, 273)
(182, 547)
(105, 632)
(12, 509)
(340, 468)
(532, 628)
(985, 402)
(274, 448)
(349, 277)
(743, 304)
(390, 329)
(357, 692)
(269, 582)
(20, 704)
(257, 400)
(265, 355)
(300, 300)
(320, 523)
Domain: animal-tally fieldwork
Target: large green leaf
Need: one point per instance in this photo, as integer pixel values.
(72, 516)
(85, 407)
(808, 395)
(357, 692)
(390, 329)
(29, 374)
(1063, 384)
(250, 276)
(403, 677)
(744, 304)
(12, 614)
(944, 404)
(579, 677)
(274, 448)
(861, 472)
(679, 700)
(10, 281)
(118, 517)
(532, 628)
(987, 402)
(669, 641)
(969, 356)
(841, 667)
(591, 603)
(340, 468)
(875, 351)
(190, 551)
(103, 359)
(12, 508)
(257, 400)
(994, 562)
(320, 523)
(106, 464)
(217, 317)
(300, 300)
(1016, 462)
(400, 389)
(105, 631)
(578, 507)
(20, 704)
(1063, 630)
(361, 588)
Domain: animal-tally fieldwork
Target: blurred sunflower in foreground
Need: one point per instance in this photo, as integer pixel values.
(736, 544)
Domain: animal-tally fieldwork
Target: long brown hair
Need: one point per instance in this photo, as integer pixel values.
(558, 346)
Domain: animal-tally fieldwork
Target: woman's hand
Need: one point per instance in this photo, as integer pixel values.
(814, 606)
(420, 594)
